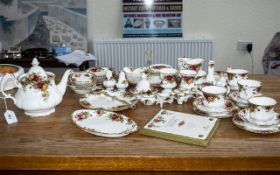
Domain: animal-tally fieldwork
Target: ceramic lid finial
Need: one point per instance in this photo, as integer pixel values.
(109, 74)
(121, 77)
(35, 62)
(37, 69)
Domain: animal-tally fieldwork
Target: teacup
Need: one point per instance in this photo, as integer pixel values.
(221, 78)
(187, 79)
(214, 96)
(190, 64)
(234, 75)
(168, 79)
(200, 78)
(262, 108)
(248, 88)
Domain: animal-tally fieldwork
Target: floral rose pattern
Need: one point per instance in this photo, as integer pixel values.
(188, 80)
(210, 98)
(82, 115)
(116, 117)
(96, 69)
(195, 67)
(169, 78)
(37, 82)
(156, 121)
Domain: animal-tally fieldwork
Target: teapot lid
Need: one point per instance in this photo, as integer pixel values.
(37, 69)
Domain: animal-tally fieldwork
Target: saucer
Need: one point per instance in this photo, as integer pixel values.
(244, 124)
(245, 114)
(228, 110)
(240, 102)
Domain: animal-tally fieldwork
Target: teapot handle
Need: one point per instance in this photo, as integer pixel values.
(4, 79)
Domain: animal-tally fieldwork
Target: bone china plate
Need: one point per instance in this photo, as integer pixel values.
(104, 123)
(108, 101)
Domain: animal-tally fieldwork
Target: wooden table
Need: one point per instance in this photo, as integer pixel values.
(55, 145)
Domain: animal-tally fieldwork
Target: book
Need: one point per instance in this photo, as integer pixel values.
(181, 127)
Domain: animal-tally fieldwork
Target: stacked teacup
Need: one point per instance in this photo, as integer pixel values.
(190, 74)
(234, 75)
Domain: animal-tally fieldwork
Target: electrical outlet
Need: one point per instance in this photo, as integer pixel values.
(242, 45)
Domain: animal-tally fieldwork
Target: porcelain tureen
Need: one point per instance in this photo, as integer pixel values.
(37, 92)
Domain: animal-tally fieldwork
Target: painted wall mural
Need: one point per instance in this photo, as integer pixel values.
(43, 23)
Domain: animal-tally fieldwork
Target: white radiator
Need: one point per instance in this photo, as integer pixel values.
(119, 53)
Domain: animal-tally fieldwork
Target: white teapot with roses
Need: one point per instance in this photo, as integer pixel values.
(37, 92)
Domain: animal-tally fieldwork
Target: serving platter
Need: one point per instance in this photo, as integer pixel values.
(108, 100)
(104, 123)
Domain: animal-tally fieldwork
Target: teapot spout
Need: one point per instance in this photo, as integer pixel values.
(63, 82)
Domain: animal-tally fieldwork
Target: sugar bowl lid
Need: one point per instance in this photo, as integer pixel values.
(36, 69)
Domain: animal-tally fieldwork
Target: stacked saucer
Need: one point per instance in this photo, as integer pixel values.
(259, 117)
(240, 102)
(213, 103)
(244, 121)
(228, 109)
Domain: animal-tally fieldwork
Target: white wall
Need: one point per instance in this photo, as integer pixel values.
(227, 21)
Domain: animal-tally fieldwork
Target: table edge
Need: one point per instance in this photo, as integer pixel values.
(139, 163)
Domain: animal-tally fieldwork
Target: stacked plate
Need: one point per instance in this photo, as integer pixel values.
(244, 121)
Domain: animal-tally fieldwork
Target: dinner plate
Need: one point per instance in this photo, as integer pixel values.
(104, 123)
(108, 100)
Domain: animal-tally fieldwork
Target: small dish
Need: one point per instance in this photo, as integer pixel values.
(104, 123)
(228, 110)
(10, 69)
(114, 101)
(242, 123)
(82, 82)
(81, 79)
(99, 72)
